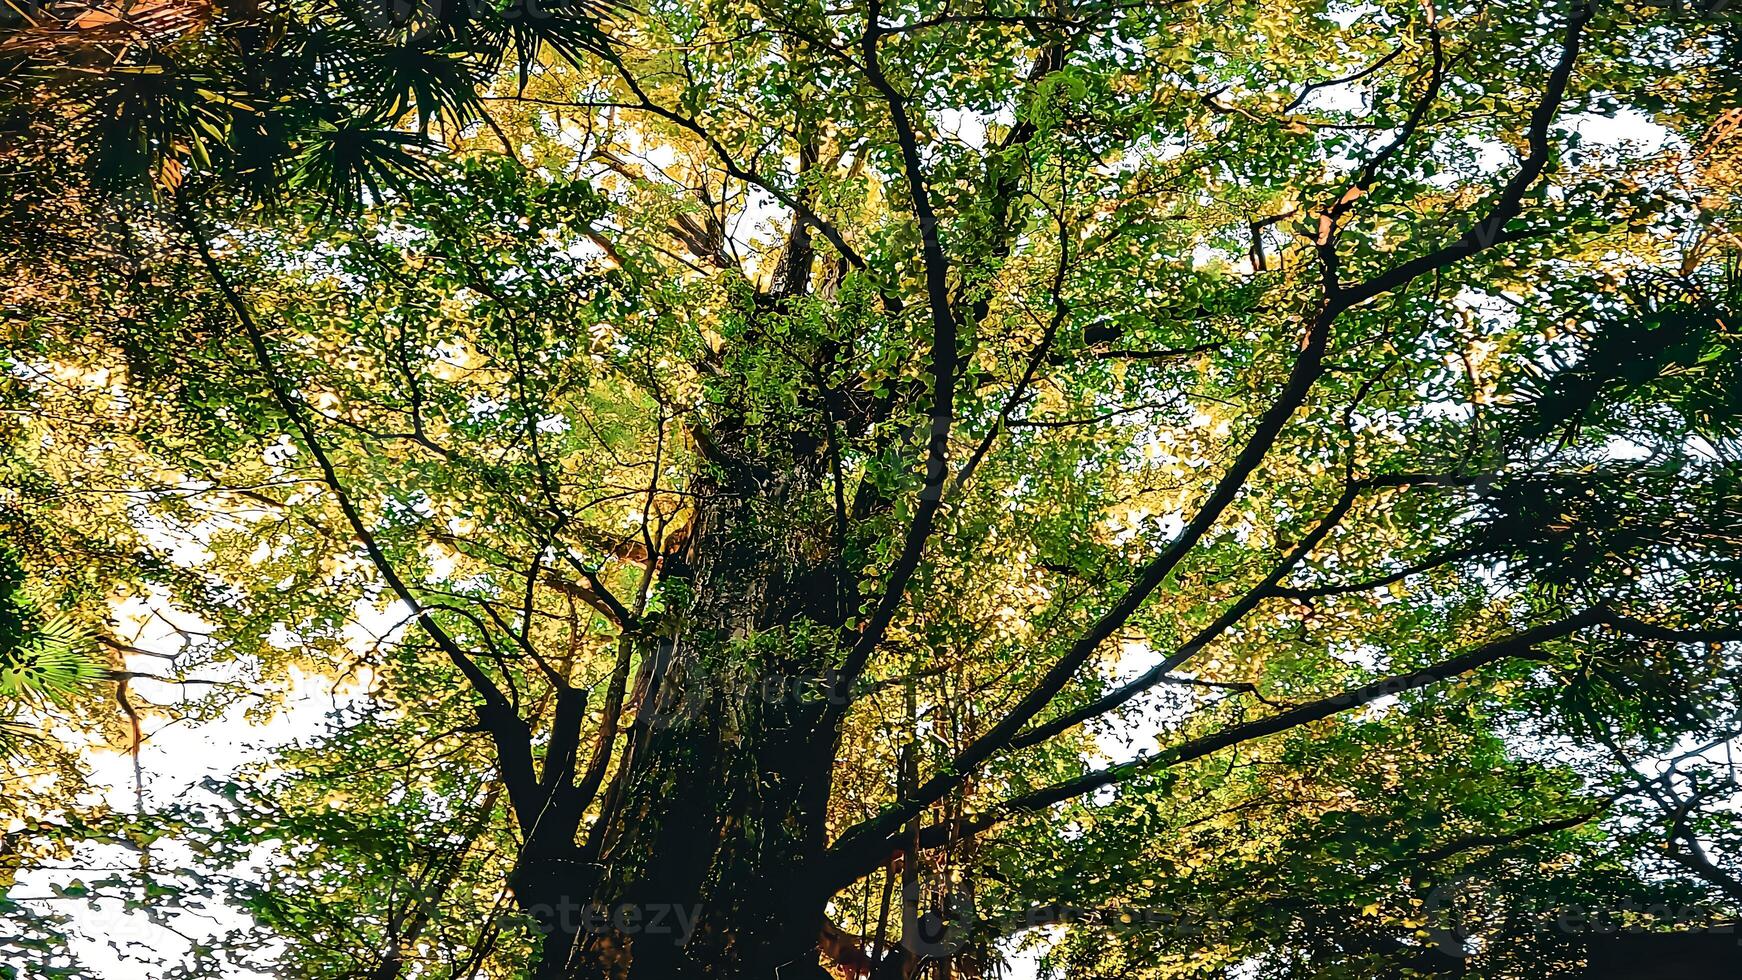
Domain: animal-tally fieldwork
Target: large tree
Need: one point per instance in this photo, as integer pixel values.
(785, 447)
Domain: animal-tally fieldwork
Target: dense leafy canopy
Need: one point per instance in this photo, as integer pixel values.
(1188, 490)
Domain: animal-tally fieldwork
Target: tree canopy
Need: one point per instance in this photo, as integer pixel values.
(775, 488)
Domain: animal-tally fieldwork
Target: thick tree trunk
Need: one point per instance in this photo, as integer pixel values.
(700, 869)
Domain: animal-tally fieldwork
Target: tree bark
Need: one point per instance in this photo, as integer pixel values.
(701, 867)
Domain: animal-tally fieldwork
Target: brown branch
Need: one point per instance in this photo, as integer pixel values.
(943, 358)
(1302, 376)
(1306, 370)
(1233, 614)
(1378, 582)
(606, 739)
(505, 726)
(850, 865)
(1344, 80)
(1491, 228)
(731, 166)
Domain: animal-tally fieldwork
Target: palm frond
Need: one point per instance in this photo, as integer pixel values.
(48, 661)
(357, 161)
(435, 83)
(309, 95)
(526, 30)
(14, 736)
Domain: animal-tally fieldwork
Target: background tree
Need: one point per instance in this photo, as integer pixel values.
(781, 449)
